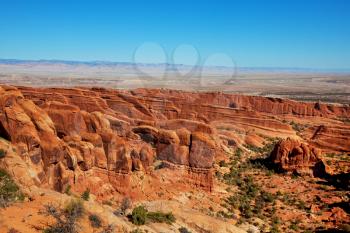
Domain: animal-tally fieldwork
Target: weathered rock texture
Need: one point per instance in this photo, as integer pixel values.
(98, 138)
(294, 156)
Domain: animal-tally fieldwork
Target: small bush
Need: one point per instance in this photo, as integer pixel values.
(68, 190)
(136, 231)
(125, 204)
(74, 209)
(95, 221)
(233, 105)
(294, 227)
(9, 190)
(239, 152)
(268, 197)
(139, 215)
(66, 218)
(222, 163)
(301, 205)
(275, 225)
(297, 127)
(168, 218)
(107, 202)
(86, 195)
(183, 230)
(13, 230)
(2, 153)
(108, 229)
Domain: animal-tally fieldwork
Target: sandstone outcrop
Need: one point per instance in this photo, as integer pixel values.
(72, 142)
(101, 138)
(294, 156)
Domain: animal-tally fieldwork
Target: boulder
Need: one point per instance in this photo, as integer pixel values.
(291, 155)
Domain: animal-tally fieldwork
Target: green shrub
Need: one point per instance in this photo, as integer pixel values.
(301, 205)
(2, 153)
(74, 209)
(275, 225)
(297, 127)
(294, 227)
(222, 163)
(86, 195)
(268, 197)
(239, 152)
(137, 231)
(68, 190)
(95, 221)
(139, 215)
(161, 217)
(9, 190)
(246, 210)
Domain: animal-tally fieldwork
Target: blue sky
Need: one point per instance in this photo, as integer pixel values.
(269, 33)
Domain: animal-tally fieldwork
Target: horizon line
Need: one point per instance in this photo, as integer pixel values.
(107, 62)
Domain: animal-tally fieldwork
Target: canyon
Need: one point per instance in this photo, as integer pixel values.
(156, 144)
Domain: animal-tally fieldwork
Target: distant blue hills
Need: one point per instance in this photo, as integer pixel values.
(130, 64)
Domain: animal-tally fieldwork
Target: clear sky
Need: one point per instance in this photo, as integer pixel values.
(260, 33)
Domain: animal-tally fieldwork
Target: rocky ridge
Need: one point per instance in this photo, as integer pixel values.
(99, 138)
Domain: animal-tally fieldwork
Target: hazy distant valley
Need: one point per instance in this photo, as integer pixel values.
(299, 84)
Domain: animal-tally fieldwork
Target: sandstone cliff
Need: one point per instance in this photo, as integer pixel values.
(103, 139)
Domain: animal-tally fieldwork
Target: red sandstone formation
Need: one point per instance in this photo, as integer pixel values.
(68, 142)
(99, 138)
(293, 156)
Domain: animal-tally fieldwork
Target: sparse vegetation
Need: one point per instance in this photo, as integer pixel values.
(275, 225)
(294, 226)
(140, 216)
(95, 221)
(68, 190)
(137, 230)
(297, 127)
(2, 153)
(9, 190)
(161, 217)
(266, 149)
(345, 120)
(108, 229)
(125, 204)
(183, 230)
(222, 163)
(13, 230)
(233, 105)
(66, 218)
(86, 195)
(250, 199)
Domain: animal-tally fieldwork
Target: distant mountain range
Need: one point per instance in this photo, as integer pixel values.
(169, 66)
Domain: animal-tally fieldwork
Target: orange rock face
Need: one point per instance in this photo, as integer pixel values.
(71, 141)
(99, 139)
(294, 156)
